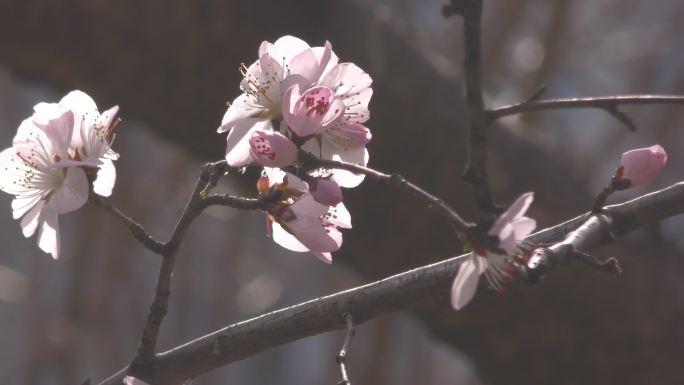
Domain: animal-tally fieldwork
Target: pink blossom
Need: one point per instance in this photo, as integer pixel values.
(641, 165)
(287, 62)
(511, 228)
(300, 223)
(310, 113)
(39, 172)
(91, 136)
(307, 95)
(345, 140)
(272, 149)
(325, 191)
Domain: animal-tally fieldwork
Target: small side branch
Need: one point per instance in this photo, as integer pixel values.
(342, 355)
(310, 161)
(610, 104)
(136, 229)
(145, 359)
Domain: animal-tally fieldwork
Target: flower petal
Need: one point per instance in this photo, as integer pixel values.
(285, 239)
(272, 149)
(515, 211)
(48, 234)
(237, 143)
(325, 257)
(522, 227)
(23, 203)
(72, 194)
(465, 284)
(106, 178)
(29, 223)
(242, 107)
(340, 216)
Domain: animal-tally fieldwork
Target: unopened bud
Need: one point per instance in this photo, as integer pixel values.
(639, 166)
(272, 149)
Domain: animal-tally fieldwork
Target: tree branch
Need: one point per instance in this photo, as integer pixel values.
(310, 161)
(244, 339)
(342, 355)
(145, 358)
(137, 230)
(476, 169)
(607, 103)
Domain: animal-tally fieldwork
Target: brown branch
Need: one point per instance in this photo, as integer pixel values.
(145, 358)
(342, 355)
(246, 338)
(137, 230)
(476, 169)
(310, 161)
(607, 103)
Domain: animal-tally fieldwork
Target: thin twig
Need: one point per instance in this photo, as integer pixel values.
(246, 338)
(342, 355)
(137, 230)
(311, 162)
(607, 103)
(601, 198)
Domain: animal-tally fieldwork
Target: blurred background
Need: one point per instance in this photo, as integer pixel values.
(171, 66)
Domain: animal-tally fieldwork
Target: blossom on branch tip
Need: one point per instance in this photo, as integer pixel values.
(287, 62)
(91, 137)
(42, 174)
(511, 228)
(307, 95)
(299, 222)
(639, 166)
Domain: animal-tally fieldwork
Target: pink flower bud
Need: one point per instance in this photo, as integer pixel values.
(325, 191)
(272, 149)
(641, 165)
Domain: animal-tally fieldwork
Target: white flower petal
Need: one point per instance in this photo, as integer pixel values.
(465, 284)
(80, 103)
(285, 239)
(522, 227)
(237, 143)
(72, 194)
(515, 211)
(106, 178)
(325, 257)
(21, 204)
(48, 235)
(29, 223)
(242, 107)
(340, 216)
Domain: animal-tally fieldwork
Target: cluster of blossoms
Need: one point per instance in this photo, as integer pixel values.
(301, 98)
(637, 167)
(57, 156)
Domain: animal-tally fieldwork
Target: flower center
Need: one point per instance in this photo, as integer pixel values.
(316, 104)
